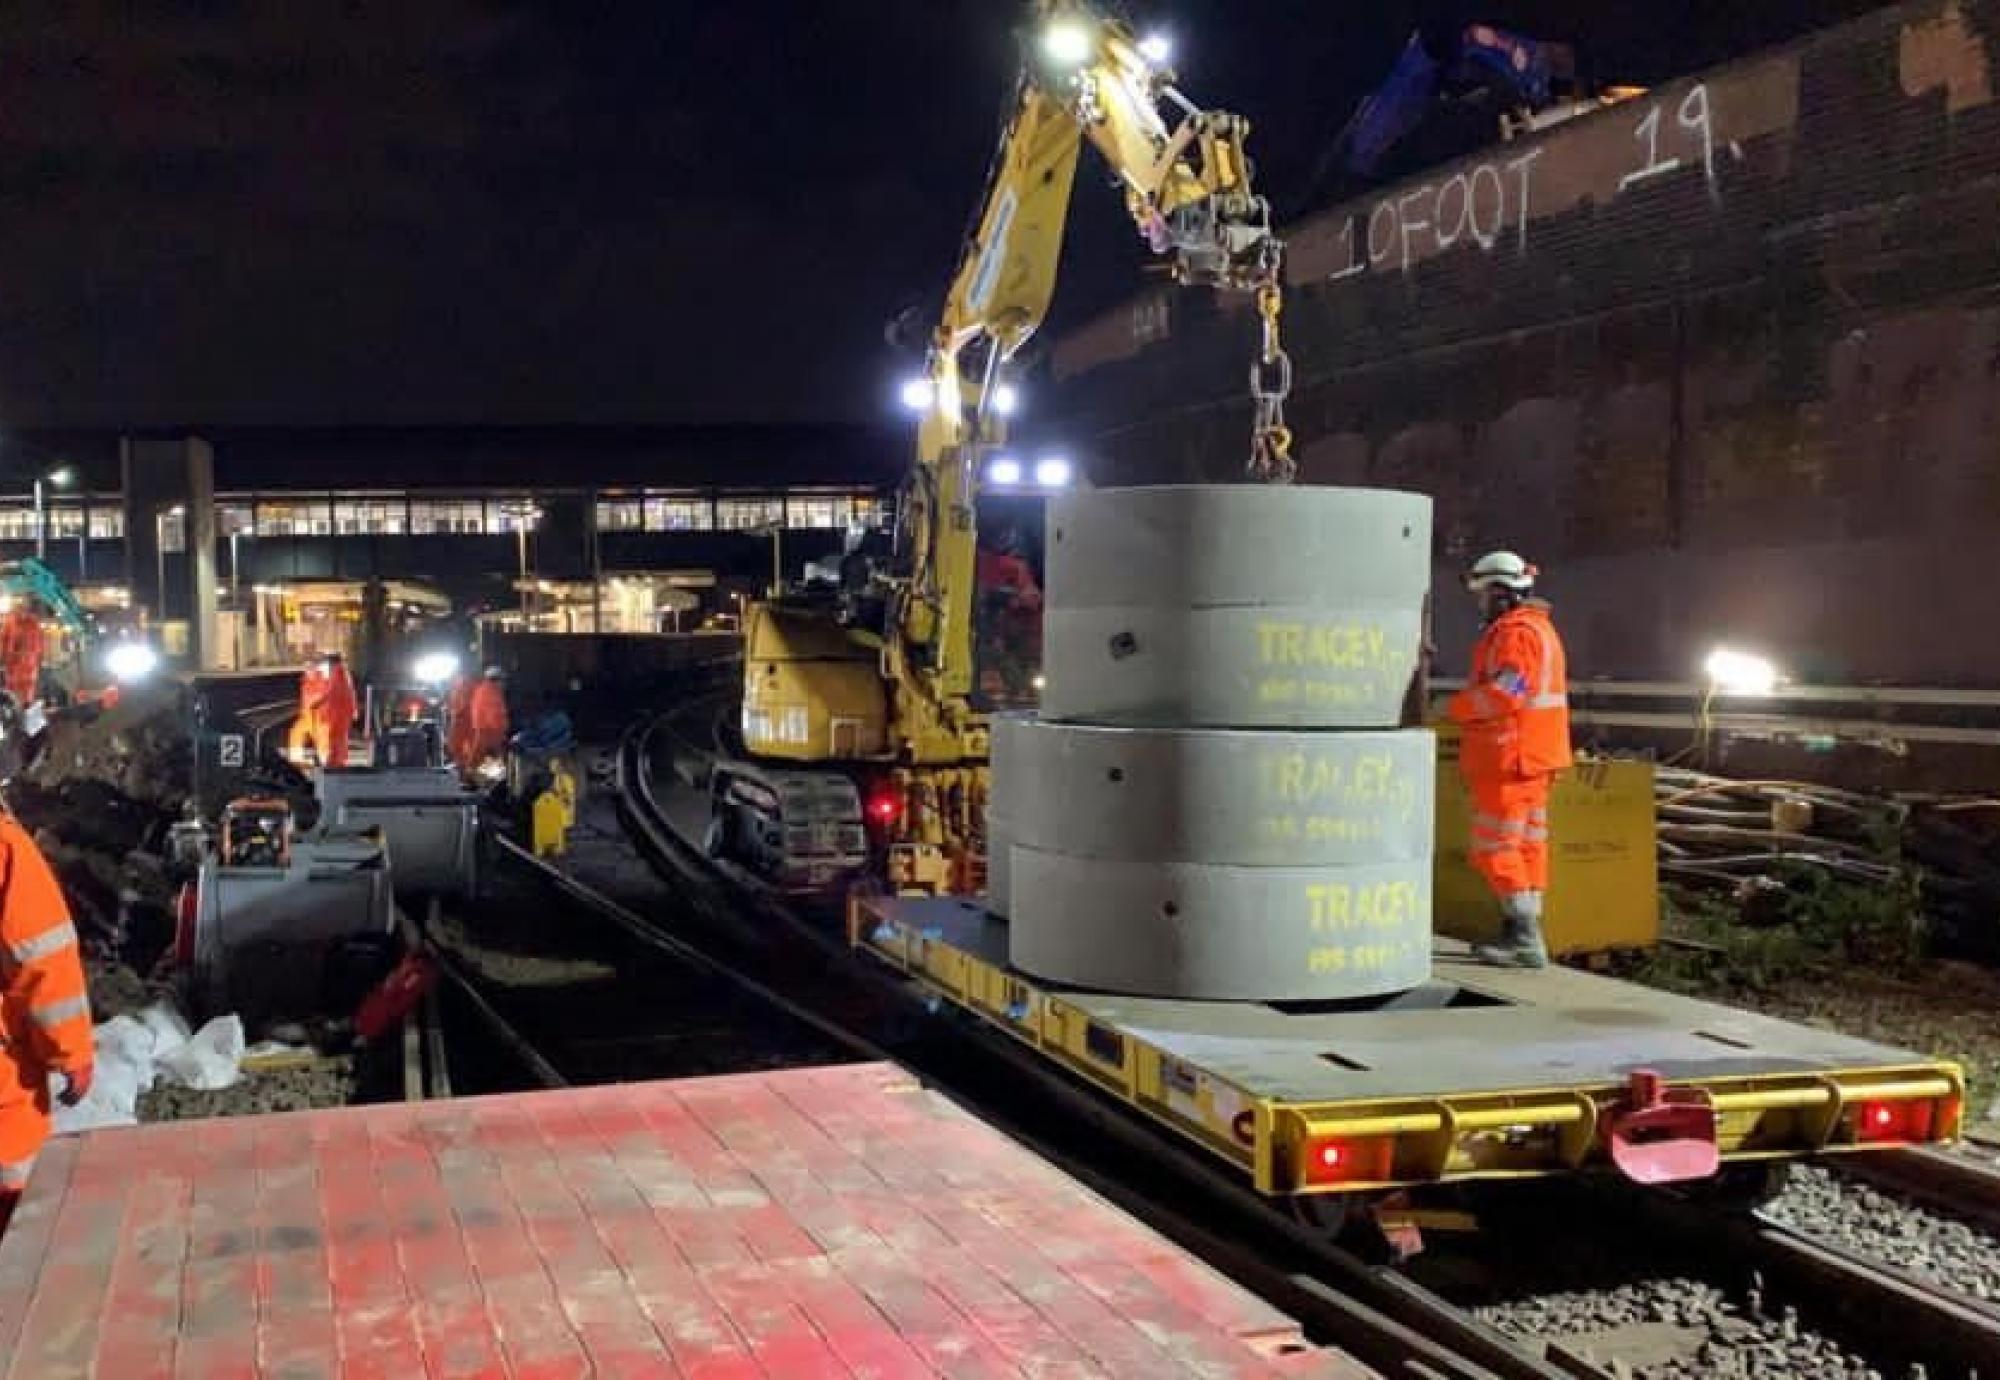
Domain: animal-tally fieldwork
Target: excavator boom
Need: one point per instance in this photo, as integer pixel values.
(884, 680)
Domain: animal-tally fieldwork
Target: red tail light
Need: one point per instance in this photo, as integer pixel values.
(1334, 1160)
(885, 806)
(1889, 1123)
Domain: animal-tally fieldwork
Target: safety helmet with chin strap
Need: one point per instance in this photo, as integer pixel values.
(1503, 569)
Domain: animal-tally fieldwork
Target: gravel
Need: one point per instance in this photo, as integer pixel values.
(511, 959)
(1884, 1227)
(294, 1088)
(1676, 1329)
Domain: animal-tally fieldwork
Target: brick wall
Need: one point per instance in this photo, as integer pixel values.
(1724, 360)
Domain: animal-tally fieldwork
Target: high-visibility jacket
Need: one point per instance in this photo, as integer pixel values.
(1001, 572)
(21, 652)
(488, 712)
(44, 1004)
(1514, 709)
(312, 692)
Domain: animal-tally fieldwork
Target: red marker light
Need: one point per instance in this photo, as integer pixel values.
(884, 807)
(1877, 1123)
(1368, 1159)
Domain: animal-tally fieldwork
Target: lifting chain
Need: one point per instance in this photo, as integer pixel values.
(1271, 375)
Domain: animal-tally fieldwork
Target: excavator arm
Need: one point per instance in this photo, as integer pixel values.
(1187, 186)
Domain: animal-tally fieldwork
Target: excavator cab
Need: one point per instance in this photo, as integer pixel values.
(1007, 609)
(256, 832)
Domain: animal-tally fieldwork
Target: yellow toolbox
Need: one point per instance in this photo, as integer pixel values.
(1604, 872)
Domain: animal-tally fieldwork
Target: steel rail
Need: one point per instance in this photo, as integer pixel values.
(1892, 1312)
(1380, 1317)
(1951, 1183)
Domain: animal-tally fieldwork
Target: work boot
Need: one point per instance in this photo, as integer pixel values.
(1520, 943)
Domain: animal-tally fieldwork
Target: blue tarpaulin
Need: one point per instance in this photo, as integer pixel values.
(1393, 109)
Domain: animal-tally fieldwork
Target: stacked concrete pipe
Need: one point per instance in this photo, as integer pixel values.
(1216, 801)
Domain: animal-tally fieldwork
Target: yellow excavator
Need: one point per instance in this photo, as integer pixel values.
(865, 739)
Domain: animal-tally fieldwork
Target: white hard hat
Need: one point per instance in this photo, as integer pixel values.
(494, 673)
(1502, 568)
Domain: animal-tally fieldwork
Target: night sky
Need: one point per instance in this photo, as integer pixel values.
(566, 213)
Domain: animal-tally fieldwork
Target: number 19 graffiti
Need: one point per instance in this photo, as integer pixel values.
(1694, 119)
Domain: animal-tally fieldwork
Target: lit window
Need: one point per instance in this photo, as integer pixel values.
(872, 513)
(17, 522)
(747, 514)
(368, 517)
(817, 510)
(173, 531)
(459, 516)
(66, 520)
(107, 523)
(678, 513)
(620, 515)
(232, 519)
(294, 519)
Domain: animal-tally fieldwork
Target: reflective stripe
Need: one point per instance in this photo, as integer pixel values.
(1537, 836)
(1492, 846)
(1497, 825)
(42, 945)
(14, 1175)
(1557, 701)
(56, 1012)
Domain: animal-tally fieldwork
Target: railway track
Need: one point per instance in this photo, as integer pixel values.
(1733, 1294)
(1654, 1285)
(576, 990)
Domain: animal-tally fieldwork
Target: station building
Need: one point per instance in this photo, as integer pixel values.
(563, 530)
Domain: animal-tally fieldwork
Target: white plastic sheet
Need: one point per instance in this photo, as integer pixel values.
(133, 1052)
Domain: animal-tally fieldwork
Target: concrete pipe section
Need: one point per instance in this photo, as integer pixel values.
(1234, 606)
(1209, 864)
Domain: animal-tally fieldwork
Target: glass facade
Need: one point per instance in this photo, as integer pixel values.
(621, 515)
(392, 514)
(686, 513)
(370, 515)
(295, 518)
(747, 514)
(460, 516)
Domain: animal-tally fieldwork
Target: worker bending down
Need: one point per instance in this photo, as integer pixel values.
(21, 652)
(487, 712)
(1514, 713)
(44, 1007)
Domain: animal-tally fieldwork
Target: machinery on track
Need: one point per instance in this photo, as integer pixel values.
(874, 682)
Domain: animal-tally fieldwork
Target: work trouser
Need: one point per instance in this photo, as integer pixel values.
(24, 1128)
(332, 743)
(304, 730)
(1509, 846)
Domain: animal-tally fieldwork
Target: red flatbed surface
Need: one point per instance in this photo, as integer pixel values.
(812, 1222)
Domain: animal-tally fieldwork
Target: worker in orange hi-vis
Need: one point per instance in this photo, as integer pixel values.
(458, 722)
(488, 712)
(44, 1007)
(21, 651)
(1514, 713)
(306, 727)
(337, 708)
